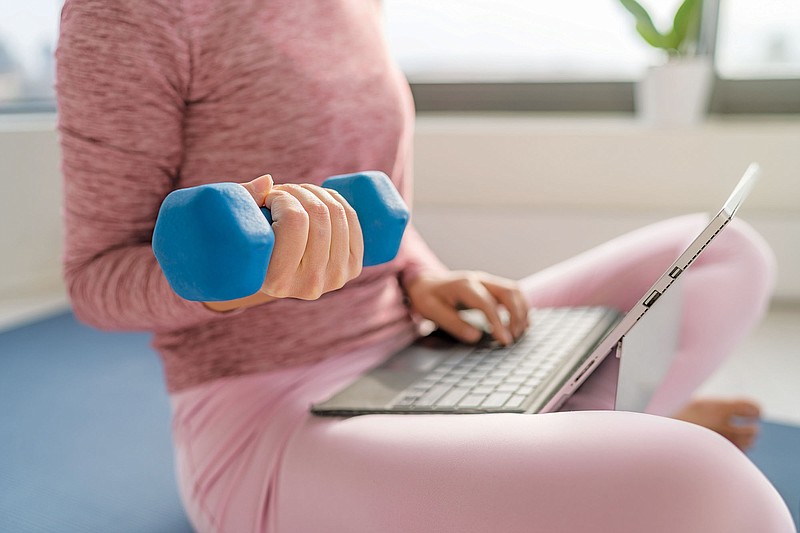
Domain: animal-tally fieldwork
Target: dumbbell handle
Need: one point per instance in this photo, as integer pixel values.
(212, 247)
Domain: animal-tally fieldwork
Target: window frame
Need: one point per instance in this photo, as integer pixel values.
(727, 97)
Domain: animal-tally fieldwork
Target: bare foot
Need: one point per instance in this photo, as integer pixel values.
(736, 420)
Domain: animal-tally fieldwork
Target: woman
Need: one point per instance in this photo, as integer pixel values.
(157, 95)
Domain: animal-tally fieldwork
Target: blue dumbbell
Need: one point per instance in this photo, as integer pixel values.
(213, 243)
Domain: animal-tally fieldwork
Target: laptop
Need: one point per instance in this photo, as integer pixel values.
(538, 373)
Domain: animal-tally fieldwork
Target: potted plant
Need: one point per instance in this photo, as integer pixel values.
(677, 91)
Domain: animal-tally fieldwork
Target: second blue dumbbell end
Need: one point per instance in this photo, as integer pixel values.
(382, 213)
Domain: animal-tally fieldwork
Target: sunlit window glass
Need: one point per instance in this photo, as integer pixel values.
(28, 31)
(520, 40)
(476, 41)
(759, 39)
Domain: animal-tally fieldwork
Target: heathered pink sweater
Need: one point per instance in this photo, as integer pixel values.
(155, 95)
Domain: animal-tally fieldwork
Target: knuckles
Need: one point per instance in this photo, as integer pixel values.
(295, 217)
(317, 210)
(337, 212)
(299, 213)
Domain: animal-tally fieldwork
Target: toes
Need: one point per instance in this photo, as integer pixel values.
(742, 436)
(745, 408)
(743, 440)
(736, 420)
(750, 430)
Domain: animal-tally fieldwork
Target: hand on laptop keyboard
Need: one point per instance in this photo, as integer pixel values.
(438, 296)
(492, 378)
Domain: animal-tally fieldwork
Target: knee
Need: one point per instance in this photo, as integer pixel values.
(742, 264)
(676, 476)
(703, 483)
(752, 252)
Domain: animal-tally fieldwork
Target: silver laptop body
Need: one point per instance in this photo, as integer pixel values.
(546, 366)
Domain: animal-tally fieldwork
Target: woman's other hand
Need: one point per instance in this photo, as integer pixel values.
(318, 242)
(439, 296)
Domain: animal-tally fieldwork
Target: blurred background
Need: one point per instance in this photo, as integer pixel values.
(541, 131)
(530, 146)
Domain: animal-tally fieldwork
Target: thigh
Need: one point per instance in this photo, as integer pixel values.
(251, 458)
(585, 471)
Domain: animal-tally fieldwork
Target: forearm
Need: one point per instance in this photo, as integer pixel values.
(124, 289)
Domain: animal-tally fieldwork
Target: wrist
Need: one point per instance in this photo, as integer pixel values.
(227, 306)
(410, 276)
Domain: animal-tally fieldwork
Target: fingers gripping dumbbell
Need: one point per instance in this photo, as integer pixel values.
(214, 243)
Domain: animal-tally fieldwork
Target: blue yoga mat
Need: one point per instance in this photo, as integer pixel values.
(777, 455)
(84, 433)
(85, 442)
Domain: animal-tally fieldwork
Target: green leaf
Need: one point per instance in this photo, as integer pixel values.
(645, 26)
(685, 28)
(686, 25)
(653, 36)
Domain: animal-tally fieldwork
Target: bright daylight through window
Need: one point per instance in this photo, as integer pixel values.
(580, 40)
(482, 41)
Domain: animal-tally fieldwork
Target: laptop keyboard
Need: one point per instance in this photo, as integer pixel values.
(496, 378)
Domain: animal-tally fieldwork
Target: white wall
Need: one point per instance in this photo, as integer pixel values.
(505, 193)
(524, 191)
(30, 207)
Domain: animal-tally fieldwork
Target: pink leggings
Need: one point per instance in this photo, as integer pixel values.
(251, 458)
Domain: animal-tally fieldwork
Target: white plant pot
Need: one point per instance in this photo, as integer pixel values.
(675, 93)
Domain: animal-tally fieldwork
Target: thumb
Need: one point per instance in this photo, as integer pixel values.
(259, 188)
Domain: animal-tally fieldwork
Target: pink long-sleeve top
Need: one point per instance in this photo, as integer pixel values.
(155, 95)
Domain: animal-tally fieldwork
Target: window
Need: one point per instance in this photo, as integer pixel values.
(570, 55)
(584, 55)
(28, 32)
(518, 40)
(759, 40)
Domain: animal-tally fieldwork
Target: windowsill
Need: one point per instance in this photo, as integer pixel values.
(25, 122)
(599, 120)
(46, 121)
(609, 161)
